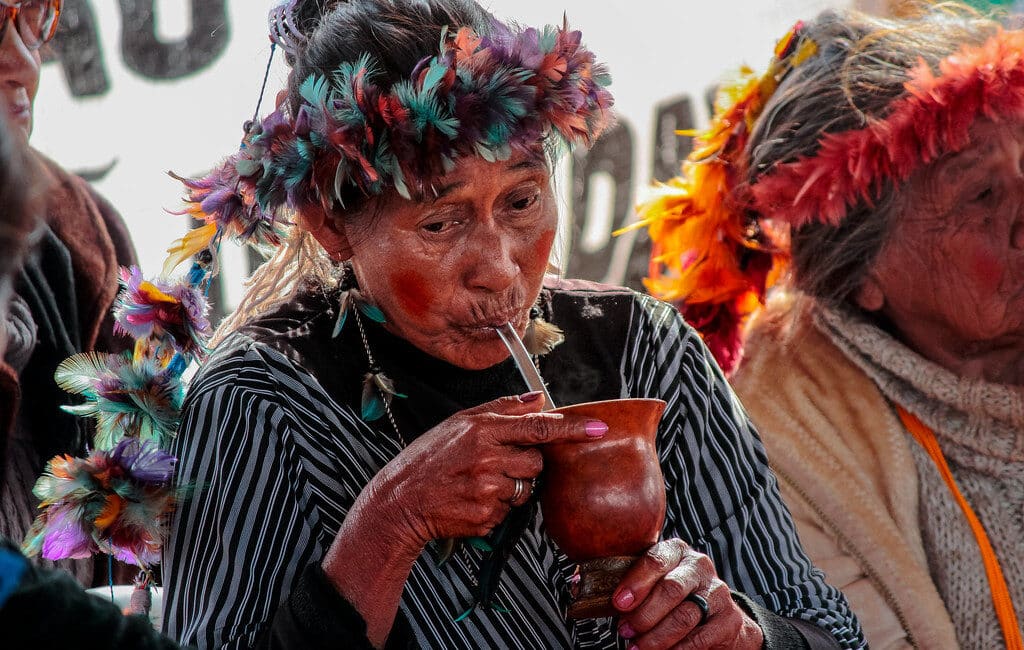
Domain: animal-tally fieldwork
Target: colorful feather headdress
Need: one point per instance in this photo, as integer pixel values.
(710, 256)
(480, 95)
(718, 242)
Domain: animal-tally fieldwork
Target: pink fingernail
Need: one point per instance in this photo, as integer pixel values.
(596, 428)
(633, 647)
(624, 599)
(626, 632)
(532, 396)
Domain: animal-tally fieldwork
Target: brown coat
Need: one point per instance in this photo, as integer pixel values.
(98, 241)
(846, 471)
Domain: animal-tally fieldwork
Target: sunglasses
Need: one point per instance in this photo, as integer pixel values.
(36, 20)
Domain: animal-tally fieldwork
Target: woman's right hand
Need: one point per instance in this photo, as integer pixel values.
(459, 478)
(456, 480)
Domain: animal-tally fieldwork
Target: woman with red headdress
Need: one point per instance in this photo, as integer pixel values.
(877, 168)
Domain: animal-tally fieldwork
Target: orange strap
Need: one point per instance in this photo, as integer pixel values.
(1000, 592)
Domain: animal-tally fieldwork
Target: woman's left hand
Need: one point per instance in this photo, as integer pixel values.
(657, 600)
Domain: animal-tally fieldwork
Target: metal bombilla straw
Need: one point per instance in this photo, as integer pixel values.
(524, 363)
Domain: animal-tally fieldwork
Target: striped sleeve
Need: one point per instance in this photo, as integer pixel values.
(722, 497)
(241, 539)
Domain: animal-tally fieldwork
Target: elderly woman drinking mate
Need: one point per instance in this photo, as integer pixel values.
(887, 159)
(361, 407)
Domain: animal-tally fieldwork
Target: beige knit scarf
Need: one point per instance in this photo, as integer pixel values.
(980, 428)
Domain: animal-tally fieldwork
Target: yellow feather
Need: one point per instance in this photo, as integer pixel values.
(184, 248)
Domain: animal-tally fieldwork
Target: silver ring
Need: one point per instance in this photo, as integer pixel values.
(520, 490)
(701, 604)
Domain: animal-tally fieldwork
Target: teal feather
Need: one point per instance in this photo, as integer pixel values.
(435, 73)
(294, 163)
(371, 311)
(315, 90)
(81, 410)
(548, 37)
(503, 538)
(426, 111)
(81, 373)
(372, 407)
(347, 110)
(247, 167)
(339, 322)
(485, 152)
(398, 178)
(479, 543)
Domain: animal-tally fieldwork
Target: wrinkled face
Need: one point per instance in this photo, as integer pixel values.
(19, 80)
(446, 270)
(953, 269)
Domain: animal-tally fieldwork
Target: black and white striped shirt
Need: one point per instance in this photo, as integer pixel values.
(272, 442)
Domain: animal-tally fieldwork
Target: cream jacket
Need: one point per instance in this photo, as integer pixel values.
(845, 469)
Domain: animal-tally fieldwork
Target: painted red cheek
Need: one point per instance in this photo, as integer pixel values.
(542, 248)
(987, 269)
(413, 291)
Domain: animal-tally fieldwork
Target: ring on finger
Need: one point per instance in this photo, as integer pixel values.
(701, 604)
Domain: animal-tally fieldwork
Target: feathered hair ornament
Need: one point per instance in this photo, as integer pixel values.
(932, 119)
(116, 501)
(133, 395)
(479, 95)
(177, 309)
(711, 257)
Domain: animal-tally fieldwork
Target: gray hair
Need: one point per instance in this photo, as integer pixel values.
(860, 69)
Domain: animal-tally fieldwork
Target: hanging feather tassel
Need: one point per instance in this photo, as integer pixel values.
(128, 395)
(371, 311)
(115, 502)
(497, 548)
(339, 322)
(445, 549)
(378, 390)
(541, 336)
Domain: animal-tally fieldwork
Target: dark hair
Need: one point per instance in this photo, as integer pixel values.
(397, 34)
(860, 69)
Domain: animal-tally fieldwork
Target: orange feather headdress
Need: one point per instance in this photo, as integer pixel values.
(710, 257)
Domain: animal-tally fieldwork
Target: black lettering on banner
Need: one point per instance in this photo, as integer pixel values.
(77, 50)
(144, 53)
(670, 148)
(612, 155)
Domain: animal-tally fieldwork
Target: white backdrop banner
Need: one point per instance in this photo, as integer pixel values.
(135, 88)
